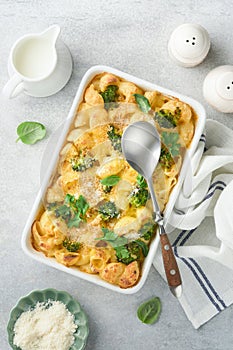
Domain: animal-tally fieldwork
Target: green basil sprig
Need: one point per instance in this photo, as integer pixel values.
(30, 132)
(110, 180)
(149, 311)
(169, 139)
(112, 238)
(143, 103)
(73, 211)
(143, 246)
(126, 251)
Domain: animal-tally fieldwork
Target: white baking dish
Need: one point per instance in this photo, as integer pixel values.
(26, 240)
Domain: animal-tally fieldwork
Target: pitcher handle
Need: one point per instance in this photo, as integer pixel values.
(13, 87)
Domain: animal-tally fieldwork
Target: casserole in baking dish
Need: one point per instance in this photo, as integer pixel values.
(95, 219)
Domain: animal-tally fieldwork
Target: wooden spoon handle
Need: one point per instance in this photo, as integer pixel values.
(170, 264)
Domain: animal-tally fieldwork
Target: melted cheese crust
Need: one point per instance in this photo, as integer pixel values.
(89, 136)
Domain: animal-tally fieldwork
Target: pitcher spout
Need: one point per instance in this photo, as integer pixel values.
(51, 34)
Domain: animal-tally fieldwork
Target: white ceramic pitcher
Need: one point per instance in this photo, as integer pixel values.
(39, 65)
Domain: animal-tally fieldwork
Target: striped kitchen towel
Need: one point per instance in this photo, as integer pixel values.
(194, 227)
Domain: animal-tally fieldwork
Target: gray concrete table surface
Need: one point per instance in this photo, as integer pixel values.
(131, 36)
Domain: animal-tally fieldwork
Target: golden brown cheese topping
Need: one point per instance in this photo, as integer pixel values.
(97, 216)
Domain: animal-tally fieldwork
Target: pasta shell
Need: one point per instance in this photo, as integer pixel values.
(111, 166)
(130, 276)
(126, 224)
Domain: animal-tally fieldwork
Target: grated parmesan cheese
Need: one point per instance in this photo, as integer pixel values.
(49, 326)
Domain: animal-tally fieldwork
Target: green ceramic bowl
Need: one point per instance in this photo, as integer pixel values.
(30, 300)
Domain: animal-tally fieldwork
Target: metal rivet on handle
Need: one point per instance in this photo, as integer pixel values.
(166, 247)
(172, 272)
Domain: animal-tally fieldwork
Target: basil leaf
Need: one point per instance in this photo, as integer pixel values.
(30, 132)
(119, 241)
(73, 210)
(143, 246)
(75, 221)
(112, 238)
(147, 230)
(82, 205)
(149, 311)
(110, 180)
(79, 205)
(108, 235)
(143, 103)
(170, 139)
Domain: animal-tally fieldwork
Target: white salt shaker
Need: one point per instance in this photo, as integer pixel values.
(218, 88)
(189, 44)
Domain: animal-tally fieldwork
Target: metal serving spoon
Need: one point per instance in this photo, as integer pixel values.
(141, 147)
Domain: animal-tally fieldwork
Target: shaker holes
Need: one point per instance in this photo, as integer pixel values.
(193, 43)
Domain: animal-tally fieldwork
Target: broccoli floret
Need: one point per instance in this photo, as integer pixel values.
(147, 230)
(128, 253)
(108, 211)
(59, 210)
(81, 163)
(110, 96)
(71, 246)
(165, 158)
(131, 251)
(115, 138)
(138, 197)
(166, 119)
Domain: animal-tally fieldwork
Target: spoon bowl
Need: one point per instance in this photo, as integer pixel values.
(143, 140)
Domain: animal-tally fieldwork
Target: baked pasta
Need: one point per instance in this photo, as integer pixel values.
(97, 214)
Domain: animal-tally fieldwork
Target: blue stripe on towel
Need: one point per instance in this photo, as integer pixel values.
(192, 264)
(208, 282)
(217, 183)
(181, 234)
(209, 195)
(202, 138)
(188, 236)
(198, 279)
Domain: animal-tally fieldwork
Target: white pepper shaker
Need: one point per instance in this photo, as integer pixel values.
(218, 88)
(189, 44)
